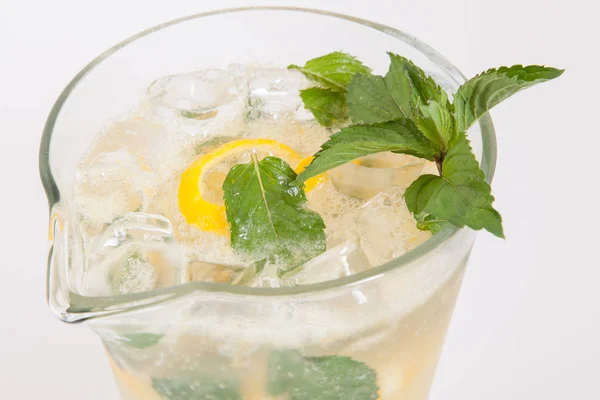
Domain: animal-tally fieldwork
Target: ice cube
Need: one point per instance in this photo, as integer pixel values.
(275, 94)
(342, 260)
(375, 173)
(134, 133)
(137, 275)
(201, 103)
(263, 274)
(135, 253)
(258, 274)
(112, 184)
(199, 271)
(305, 137)
(383, 226)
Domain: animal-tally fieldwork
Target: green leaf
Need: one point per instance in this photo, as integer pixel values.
(404, 89)
(423, 88)
(479, 94)
(141, 340)
(320, 378)
(334, 70)
(399, 136)
(460, 196)
(437, 123)
(199, 115)
(370, 101)
(430, 223)
(199, 388)
(327, 106)
(399, 85)
(267, 215)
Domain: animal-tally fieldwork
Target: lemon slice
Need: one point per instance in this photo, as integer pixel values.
(311, 183)
(200, 190)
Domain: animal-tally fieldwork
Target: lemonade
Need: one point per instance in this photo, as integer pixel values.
(149, 199)
(263, 232)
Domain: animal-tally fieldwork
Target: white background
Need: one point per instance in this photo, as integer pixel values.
(527, 321)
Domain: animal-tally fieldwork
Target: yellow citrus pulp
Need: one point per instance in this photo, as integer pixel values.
(200, 190)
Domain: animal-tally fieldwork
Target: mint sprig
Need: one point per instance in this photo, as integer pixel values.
(320, 378)
(479, 94)
(328, 107)
(405, 87)
(384, 107)
(423, 87)
(461, 195)
(267, 217)
(399, 136)
(437, 123)
(332, 72)
(370, 100)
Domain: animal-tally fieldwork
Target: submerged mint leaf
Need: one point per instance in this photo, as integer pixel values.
(267, 214)
(460, 196)
(479, 94)
(430, 223)
(187, 114)
(328, 107)
(142, 340)
(198, 388)
(399, 136)
(333, 71)
(199, 115)
(320, 378)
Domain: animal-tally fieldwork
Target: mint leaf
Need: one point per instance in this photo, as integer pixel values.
(399, 85)
(404, 89)
(327, 106)
(199, 388)
(141, 340)
(437, 123)
(320, 378)
(370, 101)
(267, 216)
(333, 71)
(199, 115)
(383, 105)
(430, 223)
(399, 136)
(479, 94)
(460, 196)
(423, 88)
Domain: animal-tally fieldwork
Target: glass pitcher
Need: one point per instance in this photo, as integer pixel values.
(373, 335)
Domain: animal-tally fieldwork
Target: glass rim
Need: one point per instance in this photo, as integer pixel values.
(85, 307)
